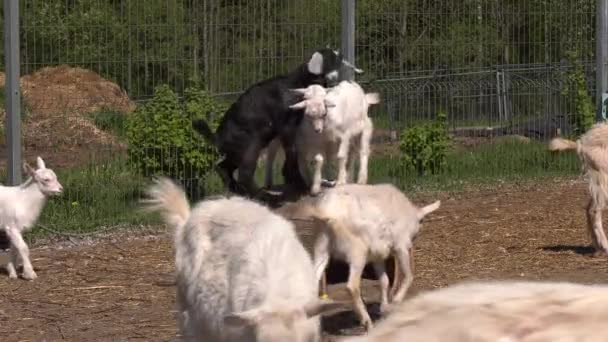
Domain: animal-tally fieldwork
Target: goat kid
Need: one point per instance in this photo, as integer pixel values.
(20, 207)
(242, 273)
(592, 149)
(262, 114)
(332, 119)
(368, 222)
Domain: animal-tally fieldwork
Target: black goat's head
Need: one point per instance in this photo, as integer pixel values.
(327, 63)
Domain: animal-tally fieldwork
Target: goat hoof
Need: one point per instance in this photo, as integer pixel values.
(385, 308)
(29, 275)
(367, 325)
(12, 275)
(327, 183)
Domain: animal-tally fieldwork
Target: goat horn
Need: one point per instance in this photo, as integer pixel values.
(348, 64)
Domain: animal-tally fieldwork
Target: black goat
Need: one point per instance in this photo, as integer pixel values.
(262, 114)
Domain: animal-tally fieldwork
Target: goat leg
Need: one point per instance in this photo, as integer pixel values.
(384, 284)
(271, 153)
(343, 151)
(594, 225)
(354, 288)
(24, 252)
(291, 169)
(316, 182)
(364, 152)
(404, 257)
(11, 267)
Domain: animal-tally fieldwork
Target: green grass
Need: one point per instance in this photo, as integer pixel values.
(111, 121)
(96, 196)
(106, 194)
(507, 161)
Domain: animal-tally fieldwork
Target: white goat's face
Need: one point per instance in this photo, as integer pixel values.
(316, 113)
(283, 325)
(314, 105)
(45, 178)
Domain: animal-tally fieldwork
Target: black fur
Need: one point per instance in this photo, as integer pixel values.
(257, 117)
(4, 241)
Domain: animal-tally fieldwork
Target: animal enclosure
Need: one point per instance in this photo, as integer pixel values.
(470, 92)
(506, 77)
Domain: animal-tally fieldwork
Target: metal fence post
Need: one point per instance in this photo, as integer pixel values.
(12, 91)
(601, 57)
(348, 36)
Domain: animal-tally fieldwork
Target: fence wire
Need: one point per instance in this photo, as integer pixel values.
(496, 69)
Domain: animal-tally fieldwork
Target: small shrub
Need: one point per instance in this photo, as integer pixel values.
(424, 146)
(576, 89)
(162, 141)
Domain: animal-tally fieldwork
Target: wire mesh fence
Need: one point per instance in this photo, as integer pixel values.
(507, 75)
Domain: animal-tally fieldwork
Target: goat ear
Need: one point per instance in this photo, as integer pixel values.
(40, 163)
(320, 307)
(301, 91)
(299, 105)
(242, 319)
(28, 169)
(315, 65)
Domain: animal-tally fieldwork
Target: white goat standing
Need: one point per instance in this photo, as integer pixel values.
(242, 273)
(332, 119)
(592, 148)
(364, 222)
(20, 207)
(499, 311)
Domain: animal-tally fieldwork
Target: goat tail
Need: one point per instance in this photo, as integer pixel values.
(202, 127)
(170, 200)
(372, 98)
(561, 144)
(422, 212)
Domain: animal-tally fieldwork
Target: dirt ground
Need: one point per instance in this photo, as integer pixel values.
(118, 288)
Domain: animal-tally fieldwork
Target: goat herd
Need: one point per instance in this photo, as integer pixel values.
(244, 275)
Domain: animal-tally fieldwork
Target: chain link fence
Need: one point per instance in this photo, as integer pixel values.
(507, 75)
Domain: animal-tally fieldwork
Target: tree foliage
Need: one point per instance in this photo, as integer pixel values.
(228, 45)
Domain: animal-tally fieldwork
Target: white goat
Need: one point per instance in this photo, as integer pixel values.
(315, 107)
(505, 311)
(332, 119)
(592, 148)
(372, 222)
(20, 207)
(242, 274)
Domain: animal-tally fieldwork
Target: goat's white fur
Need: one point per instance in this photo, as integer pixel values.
(20, 207)
(592, 148)
(242, 274)
(368, 223)
(502, 311)
(333, 119)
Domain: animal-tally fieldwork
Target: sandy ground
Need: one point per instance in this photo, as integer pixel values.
(118, 288)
